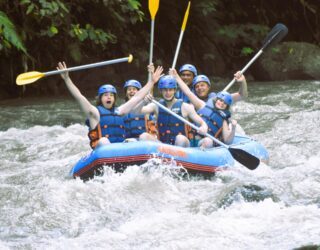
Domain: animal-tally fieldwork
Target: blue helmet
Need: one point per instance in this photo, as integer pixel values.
(226, 97)
(107, 88)
(212, 95)
(190, 68)
(200, 78)
(132, 83)
(167, 82)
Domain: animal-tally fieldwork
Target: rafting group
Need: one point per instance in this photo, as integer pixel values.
(188, 114)
(186, 93)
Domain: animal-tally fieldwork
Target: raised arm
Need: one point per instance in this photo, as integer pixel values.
(138, 97)
(87, 108)
(198, 103)
(243, 90)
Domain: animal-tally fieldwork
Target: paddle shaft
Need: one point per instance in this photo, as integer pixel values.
(253, 59)
(244, 69)
(177, 50)
(88, 66)
(184, 24)
(151, 46)
(189, 123)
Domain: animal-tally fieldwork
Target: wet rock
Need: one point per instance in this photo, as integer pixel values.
(289, 61)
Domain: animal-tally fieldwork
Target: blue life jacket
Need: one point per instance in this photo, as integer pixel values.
(210, 95)
(111, 125)
(214, 117)
(180, 95)
(169, 126)
(136, 124)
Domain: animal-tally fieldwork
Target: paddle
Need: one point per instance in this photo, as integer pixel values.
(246, 159)
(278, 32)
(184, 23)
(32, 76)
(153, 8)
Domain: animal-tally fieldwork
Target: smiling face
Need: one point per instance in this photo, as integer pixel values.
(202, 90)
(130, 92)
(187, 76)
(108, 100)
(220, 104)
(168, 94)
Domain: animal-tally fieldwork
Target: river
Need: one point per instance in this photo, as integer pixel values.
(276, 206)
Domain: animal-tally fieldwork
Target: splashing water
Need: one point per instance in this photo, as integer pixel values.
(156, 206)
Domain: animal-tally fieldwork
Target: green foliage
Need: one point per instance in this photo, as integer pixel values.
(208, 7)
(246, 37)
(45, 8)
(247, 51)
(250, 34)
(98, 36)
(8, 35)
(218, 33)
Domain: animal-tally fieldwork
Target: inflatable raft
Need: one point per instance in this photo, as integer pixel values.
(194, 160)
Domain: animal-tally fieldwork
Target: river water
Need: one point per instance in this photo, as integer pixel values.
(276, 206)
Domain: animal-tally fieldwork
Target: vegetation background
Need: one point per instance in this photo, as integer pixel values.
(220, 37)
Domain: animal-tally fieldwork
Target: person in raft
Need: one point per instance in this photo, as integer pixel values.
(136, 124)
(215, 113)
(172, 130)
(187, 73)
(201, 87)
(105, 121)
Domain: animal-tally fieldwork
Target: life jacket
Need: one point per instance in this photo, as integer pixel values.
(111, 125)
(180, 95)
(214, 118)
(210, 95)
(170, 126)
(135, 125)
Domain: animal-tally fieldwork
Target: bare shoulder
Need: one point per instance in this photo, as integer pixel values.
(151, 107)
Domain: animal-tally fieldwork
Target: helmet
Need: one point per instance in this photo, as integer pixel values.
(107, 88)
(226, 97)
(212, 95)
(132, 83)
(200, 78)
(167, 82)
(189, 67)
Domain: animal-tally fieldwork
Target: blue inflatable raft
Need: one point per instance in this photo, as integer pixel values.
(194, 160)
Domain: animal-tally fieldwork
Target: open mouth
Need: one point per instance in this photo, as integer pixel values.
(108, 102)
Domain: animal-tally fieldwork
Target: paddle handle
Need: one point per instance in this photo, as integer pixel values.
(244, 69)
(92, 65)
(188, 123)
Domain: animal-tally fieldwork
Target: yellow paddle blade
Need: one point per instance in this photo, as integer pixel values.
(28, 77)
(153, 8)
(185, 19)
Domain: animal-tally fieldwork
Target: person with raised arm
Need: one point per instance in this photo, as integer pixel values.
(105, 121)
(187, 73)
(172, 130)
(215, 113)
(136, 124)
(201, 86)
